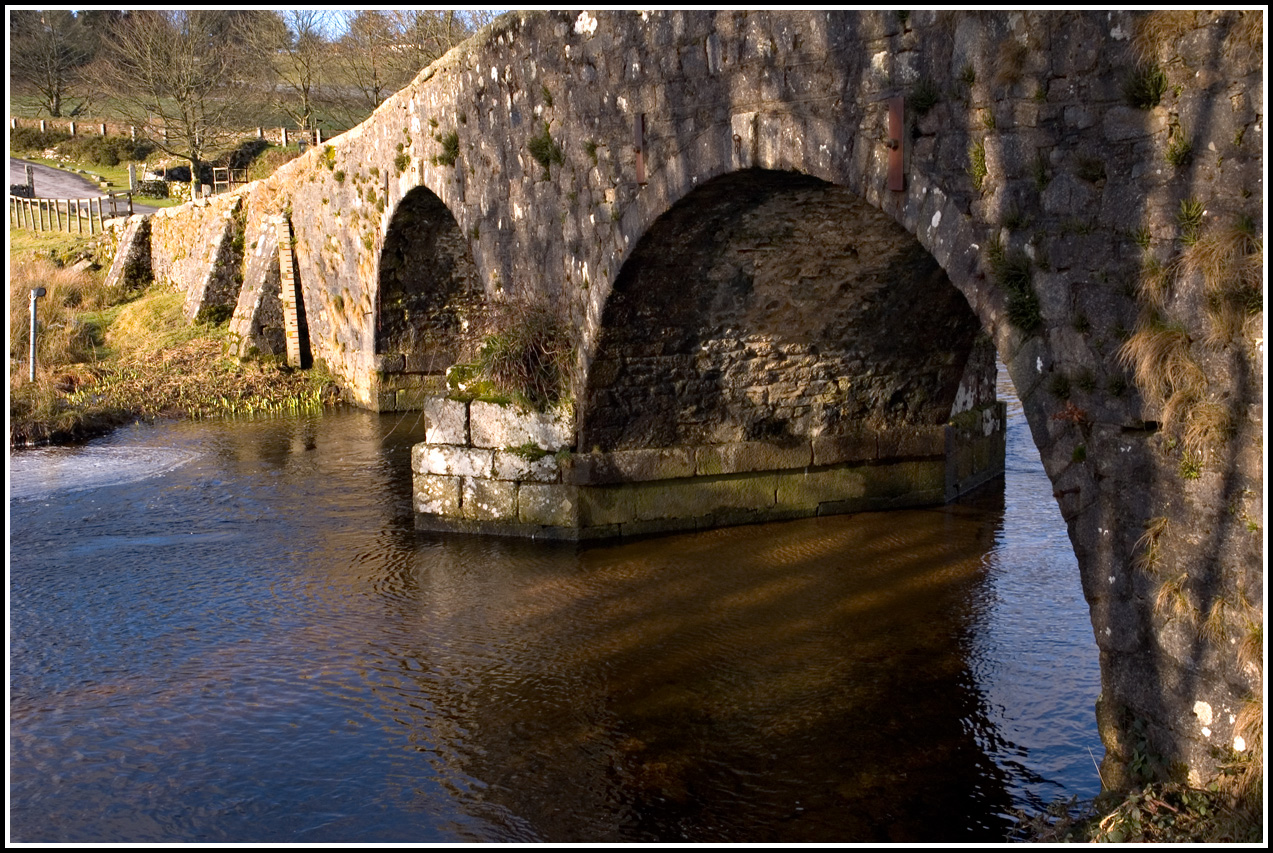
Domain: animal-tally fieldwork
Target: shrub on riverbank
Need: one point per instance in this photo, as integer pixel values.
(106, 358)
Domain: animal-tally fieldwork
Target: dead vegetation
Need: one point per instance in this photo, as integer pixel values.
(109, 357)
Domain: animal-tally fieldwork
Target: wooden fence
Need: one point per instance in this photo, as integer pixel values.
(73, 215)
(284, 136)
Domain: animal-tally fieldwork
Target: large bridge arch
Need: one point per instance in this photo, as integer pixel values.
(772, 306)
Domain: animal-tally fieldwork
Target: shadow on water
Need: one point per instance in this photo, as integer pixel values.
(241, 637)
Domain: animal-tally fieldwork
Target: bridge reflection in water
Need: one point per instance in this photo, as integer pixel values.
(256, 645)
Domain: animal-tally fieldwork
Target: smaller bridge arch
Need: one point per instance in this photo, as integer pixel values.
(430, 305)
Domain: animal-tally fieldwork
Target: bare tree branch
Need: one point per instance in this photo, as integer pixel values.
(183, 78)
(47, 49)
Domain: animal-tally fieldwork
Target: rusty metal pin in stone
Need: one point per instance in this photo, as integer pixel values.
(896, 124)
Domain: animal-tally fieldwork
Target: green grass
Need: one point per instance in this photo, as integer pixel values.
(977, 168)
(450, 149)
(1013, 272)
(924, 96)
(1145, 87)
(51, 244)
(545, 150)
(116, 175)
(1180, 152)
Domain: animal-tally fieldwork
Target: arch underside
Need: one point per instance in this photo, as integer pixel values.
(772, 306)
(430, 304)
(773, 348)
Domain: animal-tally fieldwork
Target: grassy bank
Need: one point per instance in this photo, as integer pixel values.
(107, 357)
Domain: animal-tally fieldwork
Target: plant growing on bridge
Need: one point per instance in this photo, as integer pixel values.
(530, 354)
(1145, 87)
(1039, 169)
(545, 150)
(1013, 273)
(977, 164)
(1154, 32)
(924, 96)
(450, 149)
(1179, 151)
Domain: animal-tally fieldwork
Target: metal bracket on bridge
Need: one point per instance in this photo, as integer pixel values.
(638, 140)
(896, 133)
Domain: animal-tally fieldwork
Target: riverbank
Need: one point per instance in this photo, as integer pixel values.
(1160, 812)
(111, 357)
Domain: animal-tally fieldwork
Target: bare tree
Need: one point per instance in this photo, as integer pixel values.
(367, 61)
(47, 49)
(382, 51)
(183, 78)
(301, 57)
(425, 35)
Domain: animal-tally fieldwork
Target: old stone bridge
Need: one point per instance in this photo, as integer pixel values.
(785, 248)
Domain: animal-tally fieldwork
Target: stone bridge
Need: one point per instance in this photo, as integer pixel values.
(784, 249)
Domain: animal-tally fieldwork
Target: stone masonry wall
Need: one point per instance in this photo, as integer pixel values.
(193, 249)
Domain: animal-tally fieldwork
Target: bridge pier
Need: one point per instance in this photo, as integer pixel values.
(493, 469)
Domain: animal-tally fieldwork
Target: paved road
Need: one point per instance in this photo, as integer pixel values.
(55, 183)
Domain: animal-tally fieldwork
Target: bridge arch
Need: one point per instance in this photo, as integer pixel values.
(770, 305)
(1025, 137)
(430, 305)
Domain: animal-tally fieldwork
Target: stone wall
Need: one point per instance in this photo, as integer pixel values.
(198, 249)
(769, 306)
(257, 326)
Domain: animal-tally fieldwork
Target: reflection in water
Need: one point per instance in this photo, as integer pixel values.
(256, 645)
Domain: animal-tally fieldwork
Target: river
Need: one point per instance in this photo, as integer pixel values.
(230, 631)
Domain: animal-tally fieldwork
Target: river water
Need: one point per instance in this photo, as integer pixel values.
(230, 631)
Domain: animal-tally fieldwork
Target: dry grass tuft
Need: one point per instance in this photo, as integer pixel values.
(1158, 354)
(1155, 32)
(1155, 283)
(1229, 257)
(1149, 556)
(1247, 785)
(1219, 618)
(1207, 425)
(1247, 34)
(1011, 62)
(1173, 601)
(69, 331)
(1251, 648)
